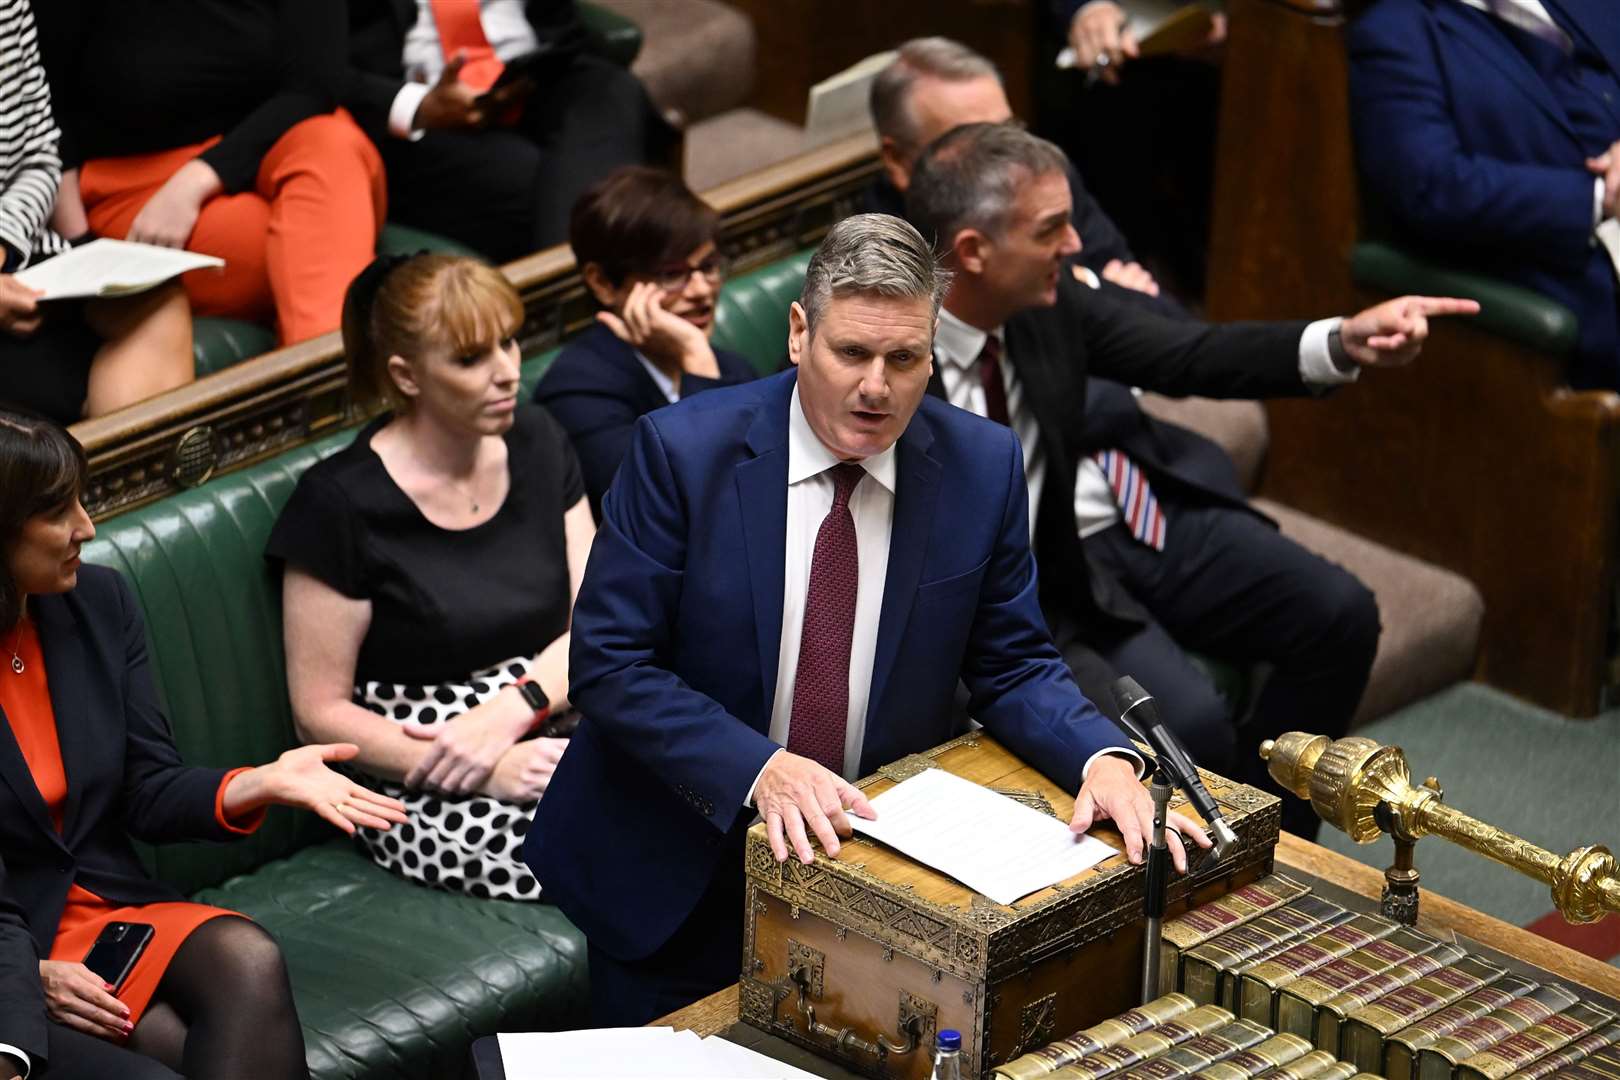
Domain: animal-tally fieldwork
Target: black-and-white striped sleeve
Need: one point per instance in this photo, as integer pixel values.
(30, 167)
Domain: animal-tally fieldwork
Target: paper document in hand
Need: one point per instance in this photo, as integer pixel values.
(111, 268)
(983, 839)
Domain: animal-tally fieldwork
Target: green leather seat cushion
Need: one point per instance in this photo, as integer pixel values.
(393, 979)
(221, 343)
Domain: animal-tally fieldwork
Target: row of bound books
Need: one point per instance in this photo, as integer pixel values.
(1275, 980)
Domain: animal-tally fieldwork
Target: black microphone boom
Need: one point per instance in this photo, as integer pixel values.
(1173, 759)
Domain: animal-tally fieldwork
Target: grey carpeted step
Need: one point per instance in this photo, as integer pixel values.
(697, 56)
(735, 143)
(1431, 616)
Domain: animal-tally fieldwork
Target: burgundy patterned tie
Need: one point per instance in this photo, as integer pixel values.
(821, 684)
(995, 391)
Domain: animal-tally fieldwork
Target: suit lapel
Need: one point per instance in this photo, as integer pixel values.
(1593, 21)
(917, 492)
(1040, 364)
(13, 766)
(1493, 46)
(14, 771)
(762, 498)
(60, 641)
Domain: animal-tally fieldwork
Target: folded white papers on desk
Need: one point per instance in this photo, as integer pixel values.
(111, 268)
(644, 1053)
(988, 842)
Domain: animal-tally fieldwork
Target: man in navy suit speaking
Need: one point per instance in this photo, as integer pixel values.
(789, 580)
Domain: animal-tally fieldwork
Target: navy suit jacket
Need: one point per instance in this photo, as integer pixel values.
(597, 388)
(1462, 143)
(124, 778)
(677, 629)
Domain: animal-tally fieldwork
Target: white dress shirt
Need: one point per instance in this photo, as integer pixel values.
(871, 504)
(666, 385)
(956, 350)
(506, 29)
(27, 1066)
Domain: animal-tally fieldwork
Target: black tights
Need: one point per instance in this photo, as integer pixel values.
(224, 1010)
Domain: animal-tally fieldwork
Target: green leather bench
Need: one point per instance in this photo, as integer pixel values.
(391, 979)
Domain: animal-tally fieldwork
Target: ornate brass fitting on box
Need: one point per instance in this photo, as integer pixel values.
(1365, 789)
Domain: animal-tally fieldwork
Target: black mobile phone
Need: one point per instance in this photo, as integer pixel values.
(526, 66)
(113, 955)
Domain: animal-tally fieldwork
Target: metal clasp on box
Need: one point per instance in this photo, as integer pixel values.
(805, 977)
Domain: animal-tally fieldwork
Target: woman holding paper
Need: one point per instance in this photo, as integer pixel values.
(66, 360)
(222, 140)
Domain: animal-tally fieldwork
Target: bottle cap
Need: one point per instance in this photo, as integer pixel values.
(950, 1039)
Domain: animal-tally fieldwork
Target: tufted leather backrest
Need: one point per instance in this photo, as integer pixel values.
(213, 623)
(752, 316)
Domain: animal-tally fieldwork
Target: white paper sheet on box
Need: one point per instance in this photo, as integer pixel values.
(988, 842)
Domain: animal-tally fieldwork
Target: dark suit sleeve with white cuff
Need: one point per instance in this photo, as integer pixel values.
(675, 651)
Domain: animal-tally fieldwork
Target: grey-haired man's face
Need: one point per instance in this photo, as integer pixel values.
(938, 105)
(864, 370)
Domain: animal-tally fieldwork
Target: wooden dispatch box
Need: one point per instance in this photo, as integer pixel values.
(864, 957)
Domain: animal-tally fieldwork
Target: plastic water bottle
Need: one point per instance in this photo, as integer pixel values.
(947, 1056)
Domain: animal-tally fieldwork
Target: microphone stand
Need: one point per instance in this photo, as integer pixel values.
(1157, 884)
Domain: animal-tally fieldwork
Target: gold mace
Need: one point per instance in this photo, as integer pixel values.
(1347, 779)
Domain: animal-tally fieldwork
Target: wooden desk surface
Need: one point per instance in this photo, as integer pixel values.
(717, 1012)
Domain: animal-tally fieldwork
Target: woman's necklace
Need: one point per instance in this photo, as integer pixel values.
(17, 665)
(465, 492)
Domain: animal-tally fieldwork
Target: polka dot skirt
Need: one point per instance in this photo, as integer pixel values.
(469, 843)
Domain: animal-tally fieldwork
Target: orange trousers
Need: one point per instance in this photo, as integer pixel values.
(291, 244)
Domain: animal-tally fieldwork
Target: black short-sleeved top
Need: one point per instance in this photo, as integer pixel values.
(444, 602)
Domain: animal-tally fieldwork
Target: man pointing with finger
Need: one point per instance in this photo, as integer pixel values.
(1147, 544)
(789, 580)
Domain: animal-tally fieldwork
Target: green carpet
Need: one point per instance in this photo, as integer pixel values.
(1552, 780)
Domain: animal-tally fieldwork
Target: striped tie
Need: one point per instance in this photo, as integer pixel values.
(1136, 500)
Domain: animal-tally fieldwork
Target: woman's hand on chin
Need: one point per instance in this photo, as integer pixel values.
(301, 778)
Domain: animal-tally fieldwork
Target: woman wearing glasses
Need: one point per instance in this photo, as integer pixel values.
(648, 250)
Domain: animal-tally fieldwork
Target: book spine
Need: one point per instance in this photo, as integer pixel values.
(1331, 1014)
(1438, 1061)
(1365, 1029)
(1230, 980)
(1149, 1044)
(1054, 1056)
(1259, 982)
(1402, 1048)
(1200, 1053)
(1209, 920)
(1534, 1043)
(1203, 966)
(1273, 1053)
(1592, 1043)
(1308, 1067)
(1297, 1003)
(1602, 1064)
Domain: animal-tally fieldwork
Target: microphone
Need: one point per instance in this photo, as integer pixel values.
(1173, 759)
